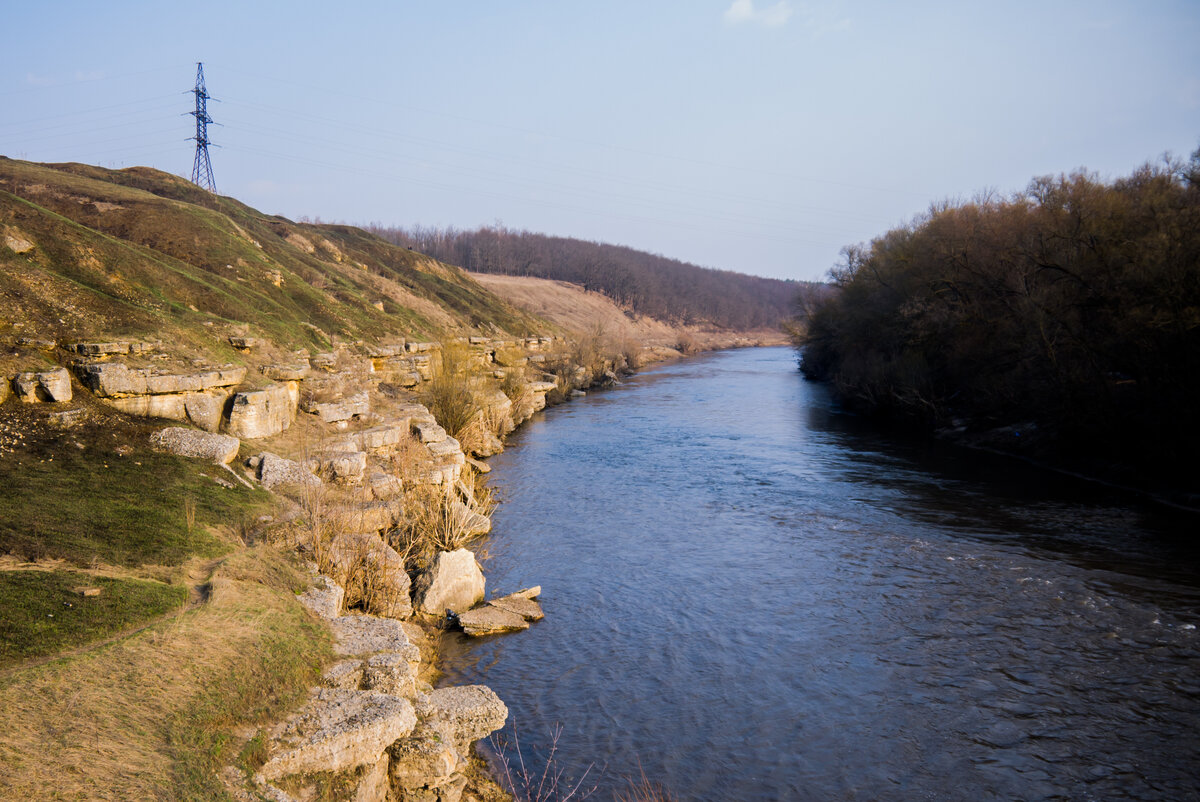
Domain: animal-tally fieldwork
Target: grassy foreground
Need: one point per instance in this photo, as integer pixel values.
(156, 714)
(147, 689)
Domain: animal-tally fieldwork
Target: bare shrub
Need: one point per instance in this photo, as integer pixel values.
(688, 343)
(449, 394)
(528, 783)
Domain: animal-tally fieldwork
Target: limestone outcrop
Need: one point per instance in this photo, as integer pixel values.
(48, 385)
(324, 598)
(197, 397)
(338, 730)
(262, 413)
(453, 582)
(364, 635)
(184, 442)
(468, 712)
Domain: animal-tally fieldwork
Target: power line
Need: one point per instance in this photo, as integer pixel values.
(202, 174)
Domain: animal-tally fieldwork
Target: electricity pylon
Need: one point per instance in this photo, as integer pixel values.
(202, 174)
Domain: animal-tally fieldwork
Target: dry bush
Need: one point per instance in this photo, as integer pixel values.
(514, 384)
(449, 395)
(688, 343)
(429, 525)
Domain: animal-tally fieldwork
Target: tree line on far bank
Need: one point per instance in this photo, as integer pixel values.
(1071, 310)
(644, 283)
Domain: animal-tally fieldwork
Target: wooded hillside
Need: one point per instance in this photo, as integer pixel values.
(648, 284)
(1070, 310)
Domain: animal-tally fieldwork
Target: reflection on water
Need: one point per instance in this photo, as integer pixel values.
(756, 598)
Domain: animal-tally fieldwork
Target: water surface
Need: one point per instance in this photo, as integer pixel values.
(750, 596)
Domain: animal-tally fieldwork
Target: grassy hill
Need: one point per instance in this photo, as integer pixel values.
(89, 253)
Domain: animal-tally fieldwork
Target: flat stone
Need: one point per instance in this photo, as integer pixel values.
(275, 471)
(100, 349)
(336, 731)
(471, 522)
(520, 605)
(391, 673)
(385, 350)
(428, 431)
(488, 619)
(334, 411)
(346, 466)
(363, 635)
(470, 712)
(381, 437)
(448, 447)
(245, 343)
(63, 419)
(183, 442)
(289, 372)
(116, 379)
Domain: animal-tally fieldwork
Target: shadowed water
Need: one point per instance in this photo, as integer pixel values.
(755, 598)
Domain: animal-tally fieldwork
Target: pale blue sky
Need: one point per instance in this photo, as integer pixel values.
(752, 136)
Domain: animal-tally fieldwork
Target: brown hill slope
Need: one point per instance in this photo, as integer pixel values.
(583, 312)
(92, 254)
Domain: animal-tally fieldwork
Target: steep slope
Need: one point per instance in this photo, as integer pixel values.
(93, 253)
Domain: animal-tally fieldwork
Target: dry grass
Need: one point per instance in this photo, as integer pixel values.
(150, 716)
(450, 395)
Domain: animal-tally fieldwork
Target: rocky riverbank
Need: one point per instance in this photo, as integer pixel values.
(379, 500)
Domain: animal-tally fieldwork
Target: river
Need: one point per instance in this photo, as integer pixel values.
(752, 596)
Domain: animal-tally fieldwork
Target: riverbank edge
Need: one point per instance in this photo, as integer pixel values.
(485, 758)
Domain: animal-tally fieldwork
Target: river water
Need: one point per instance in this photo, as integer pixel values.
(752, 596)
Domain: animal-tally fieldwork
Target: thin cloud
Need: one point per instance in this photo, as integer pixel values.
(742, 11)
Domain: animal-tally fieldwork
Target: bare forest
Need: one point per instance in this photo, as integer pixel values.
(643, 283)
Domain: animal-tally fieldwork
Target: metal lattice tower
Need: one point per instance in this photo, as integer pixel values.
(202, 174)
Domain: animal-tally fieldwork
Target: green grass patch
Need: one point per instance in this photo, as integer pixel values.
(91, 504)
(44, 614)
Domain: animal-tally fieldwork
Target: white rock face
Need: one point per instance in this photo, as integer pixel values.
(364, 635)
(51, 385)
(219, 448)
(391, 673)
(262, 413)
(324, 598)
(338, 730)
(427, 758)
(454, 582)
(469, 712)
(274, 471)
